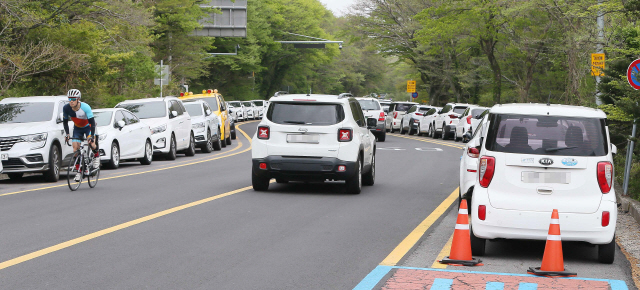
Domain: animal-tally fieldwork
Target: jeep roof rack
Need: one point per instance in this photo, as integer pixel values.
(278, 93)
(345, 95)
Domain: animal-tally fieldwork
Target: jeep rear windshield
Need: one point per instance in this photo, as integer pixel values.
(305, 114)
(403, 107)
(547, 135)
(459, 110)
(369, 105)
(258, 103)
(26, 112)
(146, 110)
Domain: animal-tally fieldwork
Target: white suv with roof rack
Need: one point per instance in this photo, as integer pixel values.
(534, 158)
(445, 123)
(314, 138)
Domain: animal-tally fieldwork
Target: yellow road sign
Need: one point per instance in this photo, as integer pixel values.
(597, 64)
(411, 86)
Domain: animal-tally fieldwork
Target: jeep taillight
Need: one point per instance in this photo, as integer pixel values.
(486, 168)
(381, 118)
(395, 115)
(263, 132)
(345, 135)
(473, 152)
(605, 176)
(469, 120)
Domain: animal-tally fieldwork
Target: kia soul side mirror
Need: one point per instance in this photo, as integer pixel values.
(614, 149)
(120, 124)
(174, 114)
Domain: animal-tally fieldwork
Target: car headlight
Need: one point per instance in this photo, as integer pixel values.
(159, 129)
(198, 125)
(101, 137)
(38, 140)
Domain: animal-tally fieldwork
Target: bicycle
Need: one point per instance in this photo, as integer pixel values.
(82, 163)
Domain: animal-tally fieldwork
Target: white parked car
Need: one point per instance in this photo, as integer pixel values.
(535, 158)
(445, 123)
(252, 110)
(205, 125)
(372, 109)
(238, 110)
(314, 138)
(425, 126)
(411, 119)
(396, 112)
(122, 137)
(261, 105)
(170, 124)
(469, 163)
(32, 137)
(469, 120)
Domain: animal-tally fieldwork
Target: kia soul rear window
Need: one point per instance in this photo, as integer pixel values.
(547, 135)
(305, 114)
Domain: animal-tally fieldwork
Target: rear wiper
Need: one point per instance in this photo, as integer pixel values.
(295, 122)
(559, 148)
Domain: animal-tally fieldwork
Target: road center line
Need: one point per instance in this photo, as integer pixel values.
(405, 246)
(429, 141)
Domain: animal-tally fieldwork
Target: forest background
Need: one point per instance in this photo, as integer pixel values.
(484, 52)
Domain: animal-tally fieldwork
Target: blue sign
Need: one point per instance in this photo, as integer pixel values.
(414, 95)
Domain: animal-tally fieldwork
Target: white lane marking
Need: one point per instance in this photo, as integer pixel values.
(428, 149)
(391, 148)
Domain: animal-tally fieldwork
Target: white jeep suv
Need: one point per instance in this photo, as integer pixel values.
(445, 123)
(314, 138)
(534, 158)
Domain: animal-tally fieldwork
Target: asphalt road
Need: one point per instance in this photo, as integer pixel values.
(196, 223)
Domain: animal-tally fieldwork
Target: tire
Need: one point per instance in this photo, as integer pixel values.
(411, 131)
(191, 150)
(391, 130)
(92, 179)
(478, 245)
(228, 140)
(15, 176)
(445, 132)
(223, 143)
(402, 131)
(418, 132)
(216, 145)
(53, 174)
(283, 181)
(208, 147)
(71, 172)
(259, 183)
(233, 132)
(434, 134)
(607, 252)
(172, 149)
(148, 153)
(354, 184)
(382, 136)
(114, 162)
(369, 178)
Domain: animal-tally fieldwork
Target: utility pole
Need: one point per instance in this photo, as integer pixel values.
(161, 65)
(599, 47)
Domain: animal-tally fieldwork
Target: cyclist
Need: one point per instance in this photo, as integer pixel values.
(84, 124)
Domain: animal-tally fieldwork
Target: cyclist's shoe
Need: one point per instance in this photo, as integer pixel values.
(78, 177)
(96, 161)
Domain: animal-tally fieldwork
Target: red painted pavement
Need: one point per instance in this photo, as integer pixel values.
(420, 279)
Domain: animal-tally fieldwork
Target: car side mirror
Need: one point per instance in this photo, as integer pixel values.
(120, 124)
(614, 149)
(60, 118)
(208, 112)
(174, 113)
(372, 122)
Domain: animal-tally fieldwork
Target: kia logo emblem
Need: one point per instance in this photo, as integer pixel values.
(546, 161)
(303, 129)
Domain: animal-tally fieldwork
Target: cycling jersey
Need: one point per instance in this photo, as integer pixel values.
(80, 117)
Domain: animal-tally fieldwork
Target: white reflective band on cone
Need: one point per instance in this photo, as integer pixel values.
(462, 227)
(463, 211)
(555, 221)
(551, 238)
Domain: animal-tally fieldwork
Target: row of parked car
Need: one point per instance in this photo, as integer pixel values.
(32, 134)
(247, 110)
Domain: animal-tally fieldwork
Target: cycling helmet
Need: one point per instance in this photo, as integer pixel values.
(74, 93)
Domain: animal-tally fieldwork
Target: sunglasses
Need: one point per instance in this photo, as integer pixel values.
(73, 99)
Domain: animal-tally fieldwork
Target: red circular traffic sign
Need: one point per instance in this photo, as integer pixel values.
(633, 74)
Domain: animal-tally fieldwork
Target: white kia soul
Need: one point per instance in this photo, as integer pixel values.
(314, 138)
(535, 158)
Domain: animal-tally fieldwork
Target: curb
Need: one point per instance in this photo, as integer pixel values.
(630, 205)
(633, 207)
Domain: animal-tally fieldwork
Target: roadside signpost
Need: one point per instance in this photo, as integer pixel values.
(414, 95)
(597, 64)
(633, 76)
(411, 86)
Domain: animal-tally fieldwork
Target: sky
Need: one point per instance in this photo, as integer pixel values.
(339, 7)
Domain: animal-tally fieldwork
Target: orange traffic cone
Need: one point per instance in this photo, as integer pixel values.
(552, 261)
(460, 254)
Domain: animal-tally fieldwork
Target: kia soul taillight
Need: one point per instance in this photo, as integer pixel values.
(469, 120)
(345, 135)
(486, 168)
(263, 132)
(605, 176)
(395, 115)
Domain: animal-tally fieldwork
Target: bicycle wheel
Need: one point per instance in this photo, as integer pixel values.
(93, 176)
(71, 171)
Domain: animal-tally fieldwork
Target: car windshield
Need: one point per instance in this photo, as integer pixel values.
(369, 105)
(459, 110)
(403, 107)
(259, 103)
(102, 118)
(146, 110)
(194, 109)
(477, 112)
(247, 104)
(547, 135)
(235, 104)
(305, 114)
(26, 112)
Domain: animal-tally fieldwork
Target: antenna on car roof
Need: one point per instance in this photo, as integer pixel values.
(549, 99)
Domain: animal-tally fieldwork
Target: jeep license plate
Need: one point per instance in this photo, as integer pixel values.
(4, 156)
(303, 138)
(546, 177)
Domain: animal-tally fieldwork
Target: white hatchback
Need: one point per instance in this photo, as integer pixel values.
(170, 124)
(469, 121)
(122, 136)
(535, 158)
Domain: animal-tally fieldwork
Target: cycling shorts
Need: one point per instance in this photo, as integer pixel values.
(80, 133)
